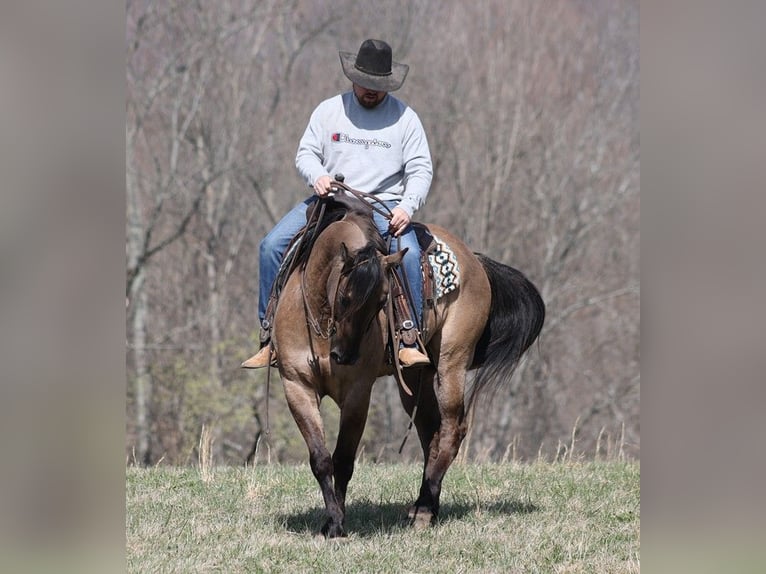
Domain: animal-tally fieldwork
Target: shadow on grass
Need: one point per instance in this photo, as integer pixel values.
(365, 518)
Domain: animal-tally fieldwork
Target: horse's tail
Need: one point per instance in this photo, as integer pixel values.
(515, 319)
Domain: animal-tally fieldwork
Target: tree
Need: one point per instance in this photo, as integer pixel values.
(531, 111)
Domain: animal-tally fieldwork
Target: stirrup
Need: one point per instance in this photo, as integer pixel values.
(413, 357)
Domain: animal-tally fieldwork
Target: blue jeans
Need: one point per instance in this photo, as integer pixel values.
(272, 250)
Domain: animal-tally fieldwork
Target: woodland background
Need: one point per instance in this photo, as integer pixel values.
(532, 114)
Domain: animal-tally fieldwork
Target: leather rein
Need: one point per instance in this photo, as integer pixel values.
(320, 205)
(316, 216)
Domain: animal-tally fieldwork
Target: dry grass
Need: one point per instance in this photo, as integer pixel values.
(206, 454)
(542, 517)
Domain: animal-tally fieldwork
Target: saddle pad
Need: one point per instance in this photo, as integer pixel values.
(445, 269)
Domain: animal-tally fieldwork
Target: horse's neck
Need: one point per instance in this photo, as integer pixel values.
(316, 273)
(325, 257)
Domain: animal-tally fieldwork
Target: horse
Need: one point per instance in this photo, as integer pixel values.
(330, 334)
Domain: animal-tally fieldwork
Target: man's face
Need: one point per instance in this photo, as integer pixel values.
(368, 98)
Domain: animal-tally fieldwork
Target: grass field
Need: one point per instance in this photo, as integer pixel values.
(540, 517)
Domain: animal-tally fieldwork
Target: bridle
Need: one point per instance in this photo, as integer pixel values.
(333, 295)
(381, 208)
(377, 205)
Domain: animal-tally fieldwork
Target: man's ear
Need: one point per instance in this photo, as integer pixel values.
(394, 259)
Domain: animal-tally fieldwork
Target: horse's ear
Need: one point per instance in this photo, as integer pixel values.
(393, 259)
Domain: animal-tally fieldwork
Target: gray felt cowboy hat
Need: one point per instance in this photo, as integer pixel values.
(373, 67)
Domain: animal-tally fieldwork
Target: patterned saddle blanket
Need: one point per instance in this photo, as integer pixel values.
(445, 269)
(444, 276)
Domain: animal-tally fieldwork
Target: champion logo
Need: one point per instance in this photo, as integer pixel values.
(345, 138)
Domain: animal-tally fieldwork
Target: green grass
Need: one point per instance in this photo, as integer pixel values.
(563, 517)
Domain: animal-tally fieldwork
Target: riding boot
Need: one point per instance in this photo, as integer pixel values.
(266, 355)
(412, 357)
(261, 358)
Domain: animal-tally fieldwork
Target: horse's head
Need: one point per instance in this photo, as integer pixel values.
(358, 290)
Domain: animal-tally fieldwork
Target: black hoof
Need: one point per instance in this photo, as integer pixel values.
(332, 529)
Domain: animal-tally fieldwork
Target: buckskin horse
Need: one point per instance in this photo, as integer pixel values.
(330, 333)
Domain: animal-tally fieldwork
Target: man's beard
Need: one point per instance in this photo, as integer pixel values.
(370, 103)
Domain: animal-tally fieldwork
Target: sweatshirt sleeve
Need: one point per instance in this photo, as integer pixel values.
(310, 156)
(418, 170)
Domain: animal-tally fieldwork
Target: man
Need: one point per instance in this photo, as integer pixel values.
(378, 143)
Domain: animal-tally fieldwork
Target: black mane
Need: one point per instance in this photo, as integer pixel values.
(364, 275)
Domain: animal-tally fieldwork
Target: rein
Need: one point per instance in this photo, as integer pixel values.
(370, 199)
(337, 185)
(312, 320)
(316, 216)
(381, 208)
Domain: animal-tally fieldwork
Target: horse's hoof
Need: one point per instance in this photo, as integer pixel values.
(420, 518)
(320, 538)
(333, 530)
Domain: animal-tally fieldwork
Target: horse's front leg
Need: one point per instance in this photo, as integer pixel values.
(305, 411)
(353, 417)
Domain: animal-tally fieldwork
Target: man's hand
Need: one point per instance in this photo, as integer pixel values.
(323, 185)
(399, 221)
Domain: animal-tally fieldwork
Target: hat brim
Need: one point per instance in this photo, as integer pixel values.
(369, 81)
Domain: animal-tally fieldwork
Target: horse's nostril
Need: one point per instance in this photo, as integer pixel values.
(344, 358)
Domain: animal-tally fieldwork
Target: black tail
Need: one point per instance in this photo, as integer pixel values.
(515, 320)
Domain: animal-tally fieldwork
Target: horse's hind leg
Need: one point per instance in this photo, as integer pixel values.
(440, 421)
(427, 423)
(305, 410)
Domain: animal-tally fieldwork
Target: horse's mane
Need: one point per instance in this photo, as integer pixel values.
(364, 274)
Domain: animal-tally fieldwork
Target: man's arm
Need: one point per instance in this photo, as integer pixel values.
(310, 157)
(418, 170)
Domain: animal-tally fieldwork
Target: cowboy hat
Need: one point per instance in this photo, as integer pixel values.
(373, 68)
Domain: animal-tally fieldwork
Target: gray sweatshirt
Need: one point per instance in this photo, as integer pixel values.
(382, 151)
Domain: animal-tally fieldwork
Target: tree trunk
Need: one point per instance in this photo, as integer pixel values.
(143, 380)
